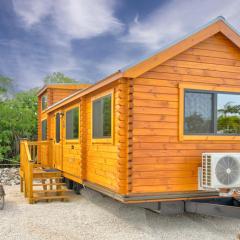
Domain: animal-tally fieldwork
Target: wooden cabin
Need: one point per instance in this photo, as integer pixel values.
(138, 134)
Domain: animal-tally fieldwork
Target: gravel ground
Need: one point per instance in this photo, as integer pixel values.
(92, 216)
(9, 176)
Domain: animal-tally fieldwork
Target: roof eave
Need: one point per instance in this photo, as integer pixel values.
(111, 78)
(42, 90)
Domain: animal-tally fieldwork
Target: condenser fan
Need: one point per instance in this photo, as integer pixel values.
(227, 170)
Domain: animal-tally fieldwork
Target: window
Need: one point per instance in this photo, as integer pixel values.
(44, 102)
(72, 123)
(228, 114)
(44, 130)
(211, 113)
(102, 117)
(198, 113)
(57, 127)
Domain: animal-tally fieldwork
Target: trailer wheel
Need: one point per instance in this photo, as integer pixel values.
(77, 188)
(69, 183)
(236, 203)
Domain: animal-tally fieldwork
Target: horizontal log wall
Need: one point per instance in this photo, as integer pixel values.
(58, 94)
(161, 163)
(106, 163)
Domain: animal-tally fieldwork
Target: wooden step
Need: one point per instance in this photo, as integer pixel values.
(48, 184)
(47, 173)
(46, 178)
(62, 197)
(51, 191)
(36, 170)
(43, 175)
(59, 174)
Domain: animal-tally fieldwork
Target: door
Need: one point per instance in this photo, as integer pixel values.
(71, 143)
(57, 141)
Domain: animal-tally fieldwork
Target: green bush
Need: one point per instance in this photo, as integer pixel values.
(18, 119)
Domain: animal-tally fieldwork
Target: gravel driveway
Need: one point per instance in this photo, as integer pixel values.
(92, 216)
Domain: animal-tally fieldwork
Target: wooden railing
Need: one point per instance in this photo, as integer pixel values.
(33, 149)
(27, 162)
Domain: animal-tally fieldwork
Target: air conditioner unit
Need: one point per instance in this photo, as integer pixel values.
(220, 170)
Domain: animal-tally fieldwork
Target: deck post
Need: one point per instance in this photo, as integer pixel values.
(21, 184)
(30, 182)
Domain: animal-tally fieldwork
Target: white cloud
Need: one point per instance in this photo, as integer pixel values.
(32, 12)
(58, 22)
(76, 19)
(87, 19)
(177, 18)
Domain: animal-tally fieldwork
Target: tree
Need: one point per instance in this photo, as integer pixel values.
(228, 108)
(18, 120)
(58, 77)
(196, 123)
(228, 120)
(6, 86)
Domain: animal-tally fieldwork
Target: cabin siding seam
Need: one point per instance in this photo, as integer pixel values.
(83, 137)
(122, 133)
(102, 158)
(130, 135)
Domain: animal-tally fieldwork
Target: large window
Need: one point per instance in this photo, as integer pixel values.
(211, 113)
(102, 117)
(44, 102)
(44, 130)
(72, 123)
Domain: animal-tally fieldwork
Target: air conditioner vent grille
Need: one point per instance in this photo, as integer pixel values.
(227, 170)
(220, 170)
(206, 169)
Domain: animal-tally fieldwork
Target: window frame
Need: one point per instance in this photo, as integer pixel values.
(44, 140)
(208, 89)
(44, 96)
(97, 97)
(57, 141)
(73, 140)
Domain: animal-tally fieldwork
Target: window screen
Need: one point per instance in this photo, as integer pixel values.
(44, 130)
(198, 113)
(72, 123)
(215, 113)
(57, 125)
(102, 117)
(44, 102)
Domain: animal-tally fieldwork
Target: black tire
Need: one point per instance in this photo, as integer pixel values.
(2, 201)
(77, 188)
(236, 203)
(69, 183)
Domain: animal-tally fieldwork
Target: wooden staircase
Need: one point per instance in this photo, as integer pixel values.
(37, 183)
(48, 185)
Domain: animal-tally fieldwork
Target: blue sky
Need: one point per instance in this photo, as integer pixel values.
(89, 39)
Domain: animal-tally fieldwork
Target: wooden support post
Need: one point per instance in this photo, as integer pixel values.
(30, 182)
(58, 187)
(21, 184)
(51, 182)
(25, 188)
